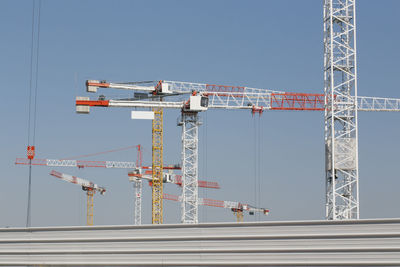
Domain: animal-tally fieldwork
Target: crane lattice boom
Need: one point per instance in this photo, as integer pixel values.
(86, 164)
(79, 181)
(238, 97)
(77, 163)
(172, 178)
(220, 204)
(234, 206)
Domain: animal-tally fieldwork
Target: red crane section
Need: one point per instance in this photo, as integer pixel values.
(297, 101)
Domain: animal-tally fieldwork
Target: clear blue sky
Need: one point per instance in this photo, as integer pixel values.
(262, 44)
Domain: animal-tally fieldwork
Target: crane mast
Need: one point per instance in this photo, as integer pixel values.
(341, 129)
(190, 125)
(138, 185)
(89, 205)
(157, 166)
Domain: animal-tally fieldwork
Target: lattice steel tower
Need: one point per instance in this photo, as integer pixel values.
(137, 186)
(157, 167)
(341, 130)
(190, 125)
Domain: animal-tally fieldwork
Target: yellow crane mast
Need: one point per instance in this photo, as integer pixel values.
(156, 93)
(239, 215)
(89, 209)
(157, 166)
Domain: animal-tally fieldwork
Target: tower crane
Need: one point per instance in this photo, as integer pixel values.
(86, 164)
(236, 207)
(138, 175)
(208, 96)
(340, 103)
(98, 164)
(87, 186)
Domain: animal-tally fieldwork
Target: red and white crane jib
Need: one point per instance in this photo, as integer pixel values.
(240, 97)
(202, 183)
(219, 96)
(76, 163)
(232, 205)
(226, 97)
(171, 178)
(79, 181)
(86, 163)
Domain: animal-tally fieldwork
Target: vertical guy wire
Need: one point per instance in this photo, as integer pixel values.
(37, 73)
(255, 160)
(259, 164)
(28, 211)
(31, 74)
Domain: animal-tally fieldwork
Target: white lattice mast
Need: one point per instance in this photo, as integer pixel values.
(340, 87)
(137, 185)
(190, 124)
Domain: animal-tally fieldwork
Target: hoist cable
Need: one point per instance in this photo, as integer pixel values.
(28, 212)
(255, 161)
(31, 74)
(37, 74)
(205, 144)
(259, 165)
(102, 152)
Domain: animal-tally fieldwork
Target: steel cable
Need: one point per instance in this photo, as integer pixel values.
(32, 79)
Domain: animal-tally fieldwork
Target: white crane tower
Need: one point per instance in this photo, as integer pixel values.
(341, 131)
(340, 102)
